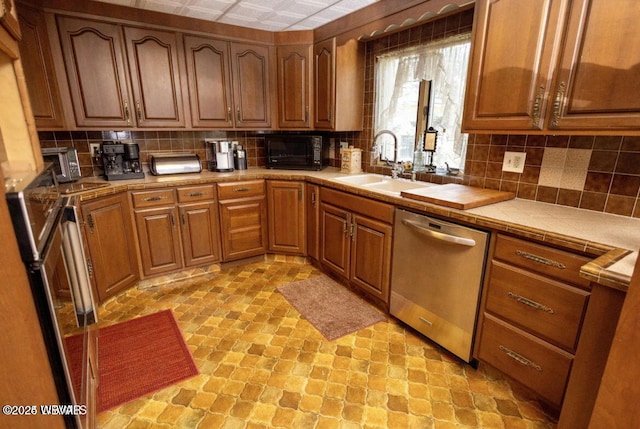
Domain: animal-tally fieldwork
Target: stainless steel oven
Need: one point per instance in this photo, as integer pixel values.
(47, 230)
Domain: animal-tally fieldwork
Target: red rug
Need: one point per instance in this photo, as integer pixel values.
(136, 358)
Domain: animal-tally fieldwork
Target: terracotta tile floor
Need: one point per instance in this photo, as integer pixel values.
(263, 366)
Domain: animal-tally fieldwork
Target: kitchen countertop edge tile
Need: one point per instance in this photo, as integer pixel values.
(612, 267)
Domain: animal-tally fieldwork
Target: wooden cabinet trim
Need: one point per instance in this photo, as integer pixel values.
(364, 206)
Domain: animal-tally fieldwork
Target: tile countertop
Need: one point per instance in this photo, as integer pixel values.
(614, 239)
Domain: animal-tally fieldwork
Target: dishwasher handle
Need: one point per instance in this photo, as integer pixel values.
(439, 235)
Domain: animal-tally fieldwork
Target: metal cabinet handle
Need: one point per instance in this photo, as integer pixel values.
(536, 107)
(195, 194)
(541, 259)
(519, 358)
(173, 219)
(531, 303)
(155, 198)
(557, 104)
(240, 189)
(313, 199)
(229, 117)
(238, 114)
(182, 215)
(127, 114)
(139, 111)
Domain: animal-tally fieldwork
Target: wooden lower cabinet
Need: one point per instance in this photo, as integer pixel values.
(243, 219)
(532, 314)
(312, 208)
(177, 228)
(356, 246)
(286, 217)
(109, 233)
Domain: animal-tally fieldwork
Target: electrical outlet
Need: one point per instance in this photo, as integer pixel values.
(344, 145)
(94, 148)
(514, 162)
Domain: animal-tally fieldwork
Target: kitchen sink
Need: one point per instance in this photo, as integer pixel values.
(384, 184)
(362, 179)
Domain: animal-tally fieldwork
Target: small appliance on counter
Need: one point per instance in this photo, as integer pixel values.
(121, 161)
(174, 163)
(65, 161)
(239, 158)
(219, 155)
(297, 151)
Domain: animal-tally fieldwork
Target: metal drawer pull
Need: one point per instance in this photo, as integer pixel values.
(155, 198)
(536, 107)
(526, 301)
(520, 359)
(241, 190)
(557, 105)
(425, 321)
(541, 260)
(195, 194)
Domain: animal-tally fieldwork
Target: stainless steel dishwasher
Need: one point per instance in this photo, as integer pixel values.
(436, 279)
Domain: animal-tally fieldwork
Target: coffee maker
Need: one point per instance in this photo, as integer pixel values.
(219, 155)
(121, 161)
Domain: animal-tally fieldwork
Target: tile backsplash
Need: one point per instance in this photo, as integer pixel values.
(600, 173)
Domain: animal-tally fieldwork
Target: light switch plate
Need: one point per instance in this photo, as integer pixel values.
(514, 162)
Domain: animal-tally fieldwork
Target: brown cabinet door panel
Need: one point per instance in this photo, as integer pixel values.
(200, 233)
(599, 69)
(159, 240)
(324, 89)
(96, 69)
(155, 77)
(313, 220)
(35, 54)
(252, 87)
(293, 86)
(286, 217)
(335, 246)
(371, 256)
(109, 236)
(209, 75)
(243, 225)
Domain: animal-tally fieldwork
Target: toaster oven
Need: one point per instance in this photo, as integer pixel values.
(65, 163)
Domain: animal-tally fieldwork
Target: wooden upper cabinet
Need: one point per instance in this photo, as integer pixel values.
(252, 88)
(554, 65)
(599, 69)
(338, 85)
(35, 53)
(209, 76)
(155, 77)
(294, 80)
(94, 58)
(510, 70)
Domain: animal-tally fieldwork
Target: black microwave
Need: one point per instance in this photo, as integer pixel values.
(297, 151)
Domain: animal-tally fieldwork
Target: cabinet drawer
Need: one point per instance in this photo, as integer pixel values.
(538, 365)
(545, 260)
(542, 306)
(196, 193)
(235, 190)
(155, 198)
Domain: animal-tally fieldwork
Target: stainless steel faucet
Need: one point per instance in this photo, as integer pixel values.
(396, 166)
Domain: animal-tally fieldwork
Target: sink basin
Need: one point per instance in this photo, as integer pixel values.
(398, 185)
(380, 183)
(362, 179)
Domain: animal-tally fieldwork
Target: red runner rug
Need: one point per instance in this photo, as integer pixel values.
(136, 358)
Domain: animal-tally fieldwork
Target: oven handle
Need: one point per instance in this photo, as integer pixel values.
(439, 235)
(75, 262)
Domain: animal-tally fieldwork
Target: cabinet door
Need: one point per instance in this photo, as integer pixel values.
(209, 75)
(598, 73)
(335, 240)
(312, 202)
(155, 77)
(286, 217)
(371, 256)
(109, 237)
(251, 85)
(511, 63)
(293, 86)
(95, 62)
(324, 84)
(200, 237)
(35, 54)
(243, 226)
(159, 240)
